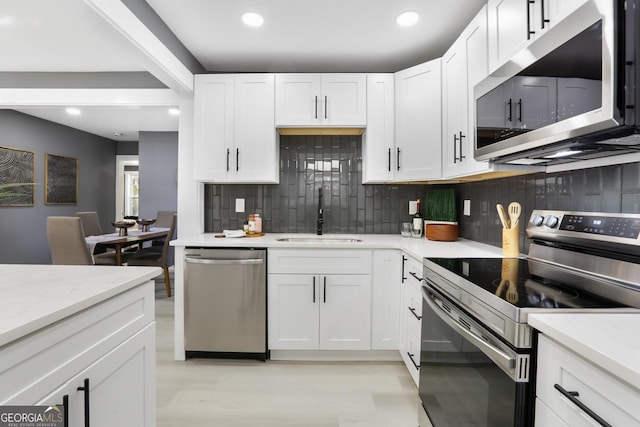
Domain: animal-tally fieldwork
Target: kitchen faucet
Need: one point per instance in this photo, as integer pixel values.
(320, 220)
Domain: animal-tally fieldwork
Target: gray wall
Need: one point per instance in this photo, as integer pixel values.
(158, 170)
(23, 237)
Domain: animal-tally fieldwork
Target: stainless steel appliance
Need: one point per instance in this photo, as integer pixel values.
(571, 95)
(225, 299)
(477, 361)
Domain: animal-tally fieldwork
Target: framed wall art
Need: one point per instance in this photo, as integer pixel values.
(61, 180)
(16, 177)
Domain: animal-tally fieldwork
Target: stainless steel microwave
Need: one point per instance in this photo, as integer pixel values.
(570, 95)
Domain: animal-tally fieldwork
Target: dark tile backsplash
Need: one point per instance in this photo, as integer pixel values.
(335, 164)
(607, 189)
(308, 163)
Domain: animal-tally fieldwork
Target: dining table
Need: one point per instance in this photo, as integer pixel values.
(118, 242)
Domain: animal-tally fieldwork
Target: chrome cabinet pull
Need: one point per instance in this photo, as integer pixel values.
(210, 261)
(572, 396)
(85, 388)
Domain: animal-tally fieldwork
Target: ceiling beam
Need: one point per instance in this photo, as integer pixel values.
(39, 97)
(155, 56)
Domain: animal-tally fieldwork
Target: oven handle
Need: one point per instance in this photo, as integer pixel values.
(503, 360)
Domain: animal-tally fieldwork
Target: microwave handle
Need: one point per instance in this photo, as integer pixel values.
(503, 360)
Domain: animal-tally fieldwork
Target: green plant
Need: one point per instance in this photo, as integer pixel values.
(441, 205)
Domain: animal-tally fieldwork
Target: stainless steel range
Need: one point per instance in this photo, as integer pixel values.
(477, 362)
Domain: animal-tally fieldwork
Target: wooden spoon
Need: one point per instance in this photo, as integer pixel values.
(503, 216)
(514, 213)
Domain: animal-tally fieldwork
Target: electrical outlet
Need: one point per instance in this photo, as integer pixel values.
(466, 210)
(239, 205)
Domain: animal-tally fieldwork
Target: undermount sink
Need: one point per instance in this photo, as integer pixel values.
(319, 239)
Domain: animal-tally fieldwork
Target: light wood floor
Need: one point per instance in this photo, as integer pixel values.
(224, 393)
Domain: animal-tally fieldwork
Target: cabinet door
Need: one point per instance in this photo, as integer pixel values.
(298, 100)
(294, 306)
(419, 122)
(213, 126)
(577, 96)
(535, 102)
(256, 155)
(345, 313)
(454, 107)
(344, 100)
(122, 387)
(378, 140)
(508, 29)
(385, 299)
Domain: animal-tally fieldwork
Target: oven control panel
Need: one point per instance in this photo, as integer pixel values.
(604, 225)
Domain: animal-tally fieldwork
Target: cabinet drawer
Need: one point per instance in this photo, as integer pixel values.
(34, 366)
(545, 417)
(414, 270)
(609, 397)
(319, 261)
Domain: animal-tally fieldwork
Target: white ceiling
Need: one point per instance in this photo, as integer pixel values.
(315, 35)
(298, 36)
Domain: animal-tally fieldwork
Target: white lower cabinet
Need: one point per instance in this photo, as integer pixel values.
(319, 300)
(411, 315)
(573, 391)
(109, 348)
(385, 300)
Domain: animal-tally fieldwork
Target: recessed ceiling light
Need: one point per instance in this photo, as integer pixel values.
(252, 19)
(73, 111)
(406, 19)
(118, 134)
(174, 111)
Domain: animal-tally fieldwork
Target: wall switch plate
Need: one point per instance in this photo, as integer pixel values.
(466, 209)
(239, 205)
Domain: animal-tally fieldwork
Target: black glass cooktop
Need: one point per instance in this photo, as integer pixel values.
(524, 282)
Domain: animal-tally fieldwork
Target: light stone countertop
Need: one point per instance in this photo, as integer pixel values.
(417, 248)
(609, 341)
(35, 296)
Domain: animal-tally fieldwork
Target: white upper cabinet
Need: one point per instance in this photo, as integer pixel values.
(463, 65)
(513, 24)
(321, 100)
(418, 122)
(235, 136)
(378, 140)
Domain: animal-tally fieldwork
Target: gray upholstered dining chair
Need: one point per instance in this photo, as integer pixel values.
(163, 220)
(90, 223)
(68, 246)
(154, 258)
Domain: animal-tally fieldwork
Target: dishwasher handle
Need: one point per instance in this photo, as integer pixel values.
(212, 261)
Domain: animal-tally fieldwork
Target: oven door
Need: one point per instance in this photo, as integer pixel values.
(468, 377)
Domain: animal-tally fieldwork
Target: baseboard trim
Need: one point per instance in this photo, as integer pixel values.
(337, 355)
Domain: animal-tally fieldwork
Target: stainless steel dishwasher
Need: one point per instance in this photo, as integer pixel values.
(225, 300)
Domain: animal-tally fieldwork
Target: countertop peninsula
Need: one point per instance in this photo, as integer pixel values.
(36, 296)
